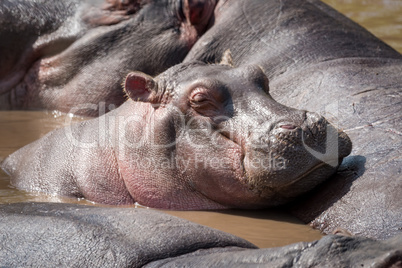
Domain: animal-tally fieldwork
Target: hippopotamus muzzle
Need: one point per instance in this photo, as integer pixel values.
(294, 156)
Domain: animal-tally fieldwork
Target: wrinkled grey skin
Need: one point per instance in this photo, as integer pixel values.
(330, 251)
(73, 55)
(197, 136)
(317, 59)
(67, 235)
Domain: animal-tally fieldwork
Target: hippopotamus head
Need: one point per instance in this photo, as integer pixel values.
(225, 139)
(198, 136)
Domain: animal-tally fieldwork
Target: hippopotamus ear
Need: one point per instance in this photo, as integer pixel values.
(141, 87)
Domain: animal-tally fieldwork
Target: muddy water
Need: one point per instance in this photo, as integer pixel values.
(267, 228)
(383, 18)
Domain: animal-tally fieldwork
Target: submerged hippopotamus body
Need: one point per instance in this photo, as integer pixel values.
(197, 136)
(317, 59)
(72, 55)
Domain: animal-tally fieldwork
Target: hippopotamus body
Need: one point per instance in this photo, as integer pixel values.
(73, 55)
(317, 59)
(69, 235)
(197, 136)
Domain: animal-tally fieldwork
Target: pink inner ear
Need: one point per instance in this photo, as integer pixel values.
(136, 87)
(199, 11)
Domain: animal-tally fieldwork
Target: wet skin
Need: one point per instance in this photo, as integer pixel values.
(317, 59)
(196, 137)
(73, 55)
(86, 236)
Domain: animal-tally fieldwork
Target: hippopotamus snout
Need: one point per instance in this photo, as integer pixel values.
(295, 154)
(307, 129)
(314, 131)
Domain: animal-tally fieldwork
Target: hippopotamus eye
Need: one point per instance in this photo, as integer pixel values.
(203, 101)
(199, 97)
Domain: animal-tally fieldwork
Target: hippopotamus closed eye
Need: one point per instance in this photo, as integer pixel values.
(197, 136)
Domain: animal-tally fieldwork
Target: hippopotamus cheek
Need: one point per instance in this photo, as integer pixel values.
(216, 171)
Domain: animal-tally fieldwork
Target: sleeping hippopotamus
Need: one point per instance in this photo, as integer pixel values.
(64, 54)
(317, 59)
(197, 136)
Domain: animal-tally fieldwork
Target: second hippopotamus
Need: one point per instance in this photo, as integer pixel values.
(52, 52)
(197, 136)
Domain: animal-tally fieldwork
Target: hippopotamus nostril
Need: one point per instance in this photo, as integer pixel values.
(287, 126)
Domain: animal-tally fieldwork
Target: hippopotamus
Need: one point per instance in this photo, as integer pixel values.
(70, 235)
(198, 136)
(72, 55)
(319, 60)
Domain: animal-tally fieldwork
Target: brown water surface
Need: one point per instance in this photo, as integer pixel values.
(383, 18)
